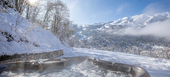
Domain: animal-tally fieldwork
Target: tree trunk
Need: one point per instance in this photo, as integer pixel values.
(16, 5)
(27, 15)
(21, 7)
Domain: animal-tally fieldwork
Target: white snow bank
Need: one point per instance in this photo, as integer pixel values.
(25, 37)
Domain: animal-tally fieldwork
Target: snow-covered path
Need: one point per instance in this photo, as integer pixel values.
(156, 67)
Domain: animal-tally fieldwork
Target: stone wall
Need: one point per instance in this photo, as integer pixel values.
(32, 56)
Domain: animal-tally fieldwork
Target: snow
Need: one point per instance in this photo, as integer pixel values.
(106, 26)
(158, 47)
(125, 18)
(140, 21)
(27, 37)
(140, 18)
(79, 32)
(155, 66)
(48, 42)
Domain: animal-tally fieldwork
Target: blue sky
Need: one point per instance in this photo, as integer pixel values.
(95, 11)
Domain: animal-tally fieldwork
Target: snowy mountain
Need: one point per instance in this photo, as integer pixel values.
(139, 34)
(142, 19)
(114, 26)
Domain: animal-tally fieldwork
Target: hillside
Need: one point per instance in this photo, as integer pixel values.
(119, 26)
(143, 34)
(18, 35)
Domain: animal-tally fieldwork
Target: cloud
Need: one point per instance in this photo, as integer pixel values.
(153, 8)
(122, 7)
(160, 29)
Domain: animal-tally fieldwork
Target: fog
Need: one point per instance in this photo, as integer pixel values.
(83, 69)
(160, 29)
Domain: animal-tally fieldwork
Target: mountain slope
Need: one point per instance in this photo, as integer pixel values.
(18, 35)
(137, 20)
(138, 34)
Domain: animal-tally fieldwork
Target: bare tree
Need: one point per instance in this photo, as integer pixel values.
(60, 25)
(47, 19)
(19, 20)
(48, 9)
(20, 5)
(34, 13)
(55, 15)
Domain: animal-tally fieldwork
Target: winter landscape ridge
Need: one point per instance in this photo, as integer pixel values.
(146, 35)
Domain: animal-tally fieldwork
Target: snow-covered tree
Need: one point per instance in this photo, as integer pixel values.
(57, 15)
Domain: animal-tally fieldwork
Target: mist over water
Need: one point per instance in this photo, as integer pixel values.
(84, 69)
